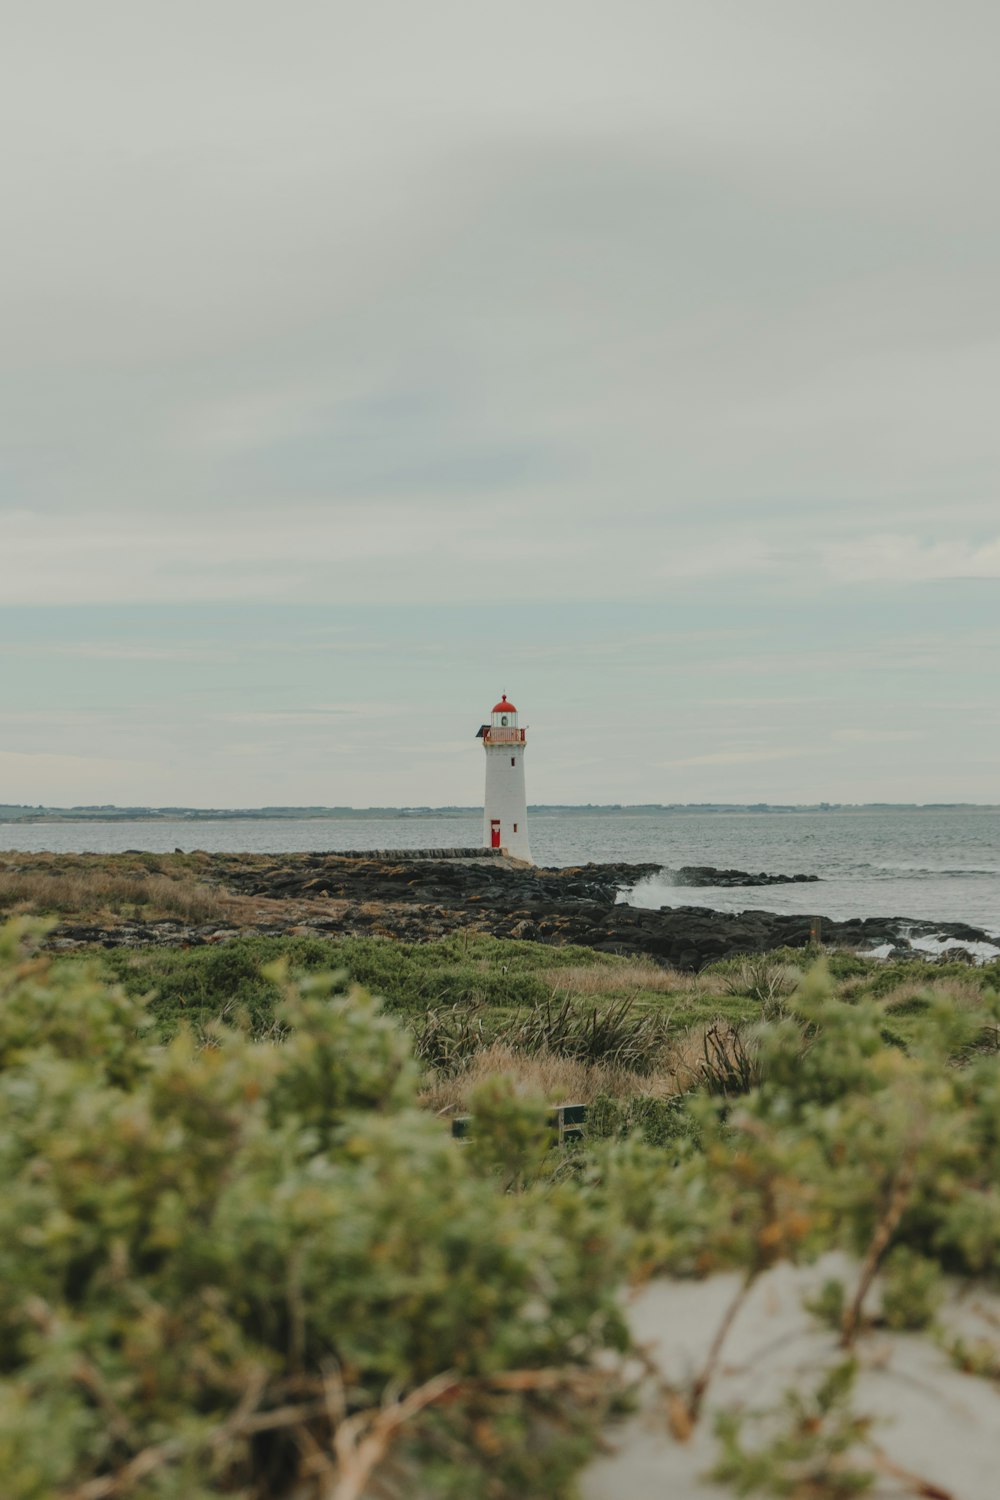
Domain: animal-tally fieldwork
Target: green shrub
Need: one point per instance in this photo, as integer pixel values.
(845, 1142)
(912, 1288)
(661, 1122)
(234, 1259)
(241, 1267)
(228, 981)
(819, 1450)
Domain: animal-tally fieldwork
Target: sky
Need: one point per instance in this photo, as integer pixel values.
(363, 361)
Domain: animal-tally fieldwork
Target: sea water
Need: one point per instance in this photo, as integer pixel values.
(936, 865)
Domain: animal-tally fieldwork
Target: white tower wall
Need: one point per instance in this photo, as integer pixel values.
(506, 799)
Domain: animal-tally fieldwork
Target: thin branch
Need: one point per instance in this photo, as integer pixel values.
(916, 1484)
(359, 1451)
(137, 1468)
(89, 1376)
(701, 1385)
(884, 1231)
(296, 1314)
(360, 1442)
(244, 1420)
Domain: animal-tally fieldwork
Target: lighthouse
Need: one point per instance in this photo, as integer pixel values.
(505, 813)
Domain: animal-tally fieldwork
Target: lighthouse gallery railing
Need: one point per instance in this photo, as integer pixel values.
(504, 736)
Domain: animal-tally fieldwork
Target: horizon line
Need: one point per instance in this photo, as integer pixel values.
(23, 812)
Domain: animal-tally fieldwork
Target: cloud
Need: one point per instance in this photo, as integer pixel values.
(112, 651)
(314, 716)
(905, 559)
(748, 757)
(644, 311)
(878, 736)
(682, 310)
(36, 774)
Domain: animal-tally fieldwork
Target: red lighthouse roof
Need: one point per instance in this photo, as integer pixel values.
(503, 707)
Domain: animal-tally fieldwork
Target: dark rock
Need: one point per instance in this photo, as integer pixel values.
(708, 875)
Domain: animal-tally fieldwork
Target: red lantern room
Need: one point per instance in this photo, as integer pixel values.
(502, 728)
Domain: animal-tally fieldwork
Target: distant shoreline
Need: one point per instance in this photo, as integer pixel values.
(21, 813)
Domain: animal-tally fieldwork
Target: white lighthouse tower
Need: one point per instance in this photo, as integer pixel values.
(505, 813)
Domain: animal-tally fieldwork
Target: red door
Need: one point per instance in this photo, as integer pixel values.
(495, 833)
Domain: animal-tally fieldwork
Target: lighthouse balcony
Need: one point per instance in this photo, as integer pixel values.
(493, 736)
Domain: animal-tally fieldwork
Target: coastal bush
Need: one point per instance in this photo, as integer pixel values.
(816, 1453)
(844, 1142)
(888, 1155)
(256, 1268)
(238, 1263)
(662, 1121)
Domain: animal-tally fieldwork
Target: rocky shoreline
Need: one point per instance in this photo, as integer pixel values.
(416, 900)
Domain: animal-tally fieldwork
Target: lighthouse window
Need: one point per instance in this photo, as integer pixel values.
(513, 761)
(515, 827)
(503, 718)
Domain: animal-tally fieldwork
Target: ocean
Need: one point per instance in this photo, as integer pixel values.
(935, 865)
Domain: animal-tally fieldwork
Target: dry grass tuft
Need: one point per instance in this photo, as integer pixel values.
(51, 890)
(716, 1054)
(560, 1080)
(965, 993)
(637, 977)
(854, 988)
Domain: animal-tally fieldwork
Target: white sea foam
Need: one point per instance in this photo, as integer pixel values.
(983, 953)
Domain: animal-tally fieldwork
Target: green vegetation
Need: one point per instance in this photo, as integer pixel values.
(639, 1029)
(814, 1453)
(242, 1267)
(200, 984)
(845, 1142)
(239, 1255)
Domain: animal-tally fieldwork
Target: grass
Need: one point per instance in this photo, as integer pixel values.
(620, 976)
(719, 1056)
(619, 1034)
(145, 897)
(561, 1080)
(130, 886)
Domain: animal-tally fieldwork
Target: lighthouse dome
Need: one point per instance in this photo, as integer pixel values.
(503, 707)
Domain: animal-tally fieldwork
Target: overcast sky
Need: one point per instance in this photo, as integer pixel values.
(360, 361)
